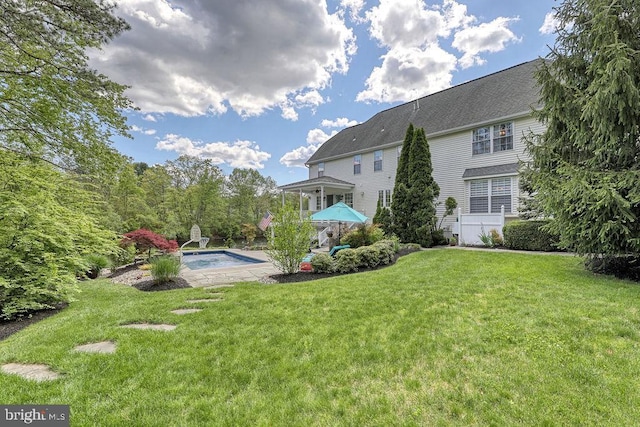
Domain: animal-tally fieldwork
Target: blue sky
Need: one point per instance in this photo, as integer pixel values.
(261, 84)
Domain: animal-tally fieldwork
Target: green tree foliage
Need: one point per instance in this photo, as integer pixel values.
(423, 191)
(52, 105)
(383, 218)
(250, 195)
(399, 205)
(48, 228)
(413, 207)
(291, 239)
(585, 169)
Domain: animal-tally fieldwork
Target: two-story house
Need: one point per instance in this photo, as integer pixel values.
(475, 133)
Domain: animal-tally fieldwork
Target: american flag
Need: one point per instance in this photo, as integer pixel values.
(265, 221)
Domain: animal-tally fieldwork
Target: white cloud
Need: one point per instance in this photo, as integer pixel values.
(315, 138)
(409, 73)
(149, 118)
(353, 8)
(239, 154)
(195, 58)
(488, 37)
(341, 122)
(144, 131)
(416, 64)
(550, 24)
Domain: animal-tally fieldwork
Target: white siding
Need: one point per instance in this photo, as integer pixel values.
(451, 154)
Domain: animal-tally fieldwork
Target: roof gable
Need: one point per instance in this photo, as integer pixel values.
(505, 93)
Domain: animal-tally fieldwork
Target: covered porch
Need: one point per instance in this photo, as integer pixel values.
(323, 192)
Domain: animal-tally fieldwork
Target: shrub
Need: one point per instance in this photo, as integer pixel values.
(347, 261)
(407, 248)
(322, 263)
(290, 240)
(364, 235)
(165, 268)
(529, 236)
(369, 256)
(122, 256)
(496, 238)
(437, 237)
(388, 249)
(95, 263)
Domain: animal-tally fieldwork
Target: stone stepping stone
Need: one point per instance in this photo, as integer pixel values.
(151, 326)
(186, 310)
(219, 286)
(31, 372)
(205, 300)
(98, 347)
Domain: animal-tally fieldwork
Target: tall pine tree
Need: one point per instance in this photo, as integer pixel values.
(400, 211)
(585, 168)
(423, 191)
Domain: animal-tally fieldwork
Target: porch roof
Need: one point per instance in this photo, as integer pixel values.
(314, 184)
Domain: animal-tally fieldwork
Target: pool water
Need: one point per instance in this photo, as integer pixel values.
(216, 259)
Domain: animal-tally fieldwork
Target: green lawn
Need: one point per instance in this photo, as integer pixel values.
(442, 337)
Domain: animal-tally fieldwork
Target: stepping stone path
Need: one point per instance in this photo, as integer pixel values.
(31, 372)
(186, 310)
(153, 327)
(44, 373)
(98, 347)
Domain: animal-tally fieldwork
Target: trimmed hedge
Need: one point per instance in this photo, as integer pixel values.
(351, 260)
(529, 236)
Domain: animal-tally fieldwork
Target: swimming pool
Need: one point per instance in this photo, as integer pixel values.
(216, 259)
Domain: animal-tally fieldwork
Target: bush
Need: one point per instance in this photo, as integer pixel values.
(322, 263)
(369, 256)
(529, 236)
(145, 240)
(290, 240)
(387, 249)
(347, 261)
(437, 238)
(407, 248)
(95, 263)
(165, 268)
(364, 235)
(122, 256)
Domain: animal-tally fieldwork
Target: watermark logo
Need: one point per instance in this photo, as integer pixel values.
(36, 415)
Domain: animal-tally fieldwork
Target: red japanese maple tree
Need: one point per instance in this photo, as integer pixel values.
(145, 240)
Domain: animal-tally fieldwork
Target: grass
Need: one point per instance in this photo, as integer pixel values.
(443, 337)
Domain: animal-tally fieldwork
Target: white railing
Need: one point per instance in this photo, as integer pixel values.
(470, 227)
(322, 236)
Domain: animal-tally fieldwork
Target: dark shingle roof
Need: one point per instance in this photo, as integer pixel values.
(506, 93)
(491, 170)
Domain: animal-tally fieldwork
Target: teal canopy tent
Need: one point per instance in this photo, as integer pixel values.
(339, 212)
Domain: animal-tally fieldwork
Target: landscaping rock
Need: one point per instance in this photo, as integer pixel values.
(98, 347)
(31, 372)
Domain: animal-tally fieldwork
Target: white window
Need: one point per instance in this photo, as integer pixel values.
(481, 141)
(502, 137)
(377, 160)
(489, 195)
(357, 160)
(318, 203)
(492, 139)
(320, 169)
(348, 199)
(384, 197)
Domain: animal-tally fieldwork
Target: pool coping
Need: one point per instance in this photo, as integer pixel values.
(225, 275)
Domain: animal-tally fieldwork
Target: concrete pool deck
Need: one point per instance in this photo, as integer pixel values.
(227, 275)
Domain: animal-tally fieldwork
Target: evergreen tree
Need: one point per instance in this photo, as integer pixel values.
(585, 169)
(399, 210)
(423, 191)
(383, 217)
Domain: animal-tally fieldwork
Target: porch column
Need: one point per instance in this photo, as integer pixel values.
(301, 204)
(282, 197)
(322, 202)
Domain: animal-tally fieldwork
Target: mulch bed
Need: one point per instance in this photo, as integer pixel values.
(9, 327)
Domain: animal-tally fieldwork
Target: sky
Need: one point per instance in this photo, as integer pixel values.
(263, 83)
